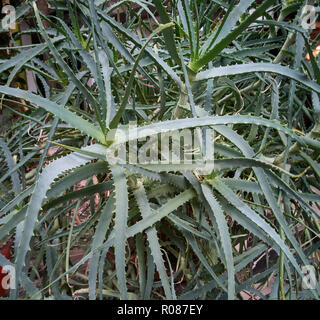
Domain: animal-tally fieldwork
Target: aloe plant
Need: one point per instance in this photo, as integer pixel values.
(163, 230)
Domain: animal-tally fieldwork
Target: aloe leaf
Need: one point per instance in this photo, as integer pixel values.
(173, 125)
(153, 240)
(19, 60)
(186, 19)
(203, 260)
(258, 67)
(53, 170)
(138, 227)
(314, 164)
(265, 186)
(120, 228)
(100, 233)
(247, 211)
(67, 69)
(114, 122)
(84, 192)
(11, 165)
(230, 20)
(224, 236)
(16, 200)
(149, 51)
(62, 113)
(219, 164)
(209, 56)
(246, 222)
(167, 33)
(80, 173)
(13, 168)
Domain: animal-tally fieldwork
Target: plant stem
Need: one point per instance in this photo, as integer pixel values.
(281, 269)
(183, 101)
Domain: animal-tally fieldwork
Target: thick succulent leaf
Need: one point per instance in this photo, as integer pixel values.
(223, 232)
(10, 163)
(65, 115)
(265, 186)
(173, 125)
(52, 171)
(99, 236)
(153, 240)
(258, 67)
(120, 227)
